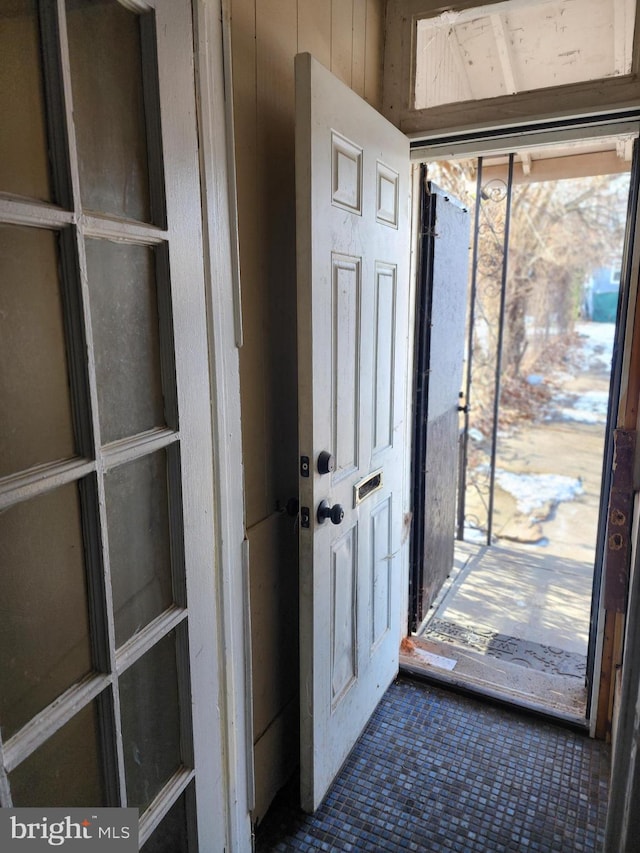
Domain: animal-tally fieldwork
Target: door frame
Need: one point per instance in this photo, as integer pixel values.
(599, 602)
(212, 49)
(501, 140)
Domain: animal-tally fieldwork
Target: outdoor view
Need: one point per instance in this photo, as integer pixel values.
(540, 332)
(562, 280)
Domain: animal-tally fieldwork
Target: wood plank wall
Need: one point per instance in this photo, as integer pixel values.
(348, 37)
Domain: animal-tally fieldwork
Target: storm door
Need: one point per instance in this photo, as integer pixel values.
(107, 617)
(439, 357)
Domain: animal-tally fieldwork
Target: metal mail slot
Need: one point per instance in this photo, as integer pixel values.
(371, 483)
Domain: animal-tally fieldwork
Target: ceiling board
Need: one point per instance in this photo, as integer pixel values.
(516, 46)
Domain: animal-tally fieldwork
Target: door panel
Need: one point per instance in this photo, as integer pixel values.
(345, 358)
(439, 362)
(381, 577)
(384, 350)
(352, 186)
(108, 662)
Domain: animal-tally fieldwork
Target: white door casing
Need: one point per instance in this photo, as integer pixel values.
(212, 27)
(352, 193)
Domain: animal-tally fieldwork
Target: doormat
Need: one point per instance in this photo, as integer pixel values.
(512, 649)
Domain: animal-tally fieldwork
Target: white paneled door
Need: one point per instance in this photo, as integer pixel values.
(352, 189)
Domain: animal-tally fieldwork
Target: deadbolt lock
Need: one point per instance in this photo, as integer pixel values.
(326, 462)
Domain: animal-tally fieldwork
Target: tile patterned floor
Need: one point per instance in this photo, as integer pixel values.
(438, 772)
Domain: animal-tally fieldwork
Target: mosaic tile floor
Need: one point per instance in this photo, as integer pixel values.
(438, 772)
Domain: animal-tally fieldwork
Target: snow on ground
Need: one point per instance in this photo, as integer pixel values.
(597, 343)
(475, 535)
(597, 349)
(590, 408)
(533, 491)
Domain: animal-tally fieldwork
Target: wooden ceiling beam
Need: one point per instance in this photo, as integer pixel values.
(503, 48)
(624, 147)
(623, 23)
(526, 161)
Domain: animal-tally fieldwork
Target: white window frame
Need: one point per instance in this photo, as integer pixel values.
(613, 94)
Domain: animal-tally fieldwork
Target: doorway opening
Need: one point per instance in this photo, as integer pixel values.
(509, 611)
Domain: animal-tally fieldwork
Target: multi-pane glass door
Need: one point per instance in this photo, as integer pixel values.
(102, 455)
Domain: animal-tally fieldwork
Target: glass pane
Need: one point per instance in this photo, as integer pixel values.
(463, 60)
(24, 167)
(150, 722)
(139, 548)
(65, 770)
(171, 835)
(124, 314)
(108, 107)
(44, 626)
(36, 423)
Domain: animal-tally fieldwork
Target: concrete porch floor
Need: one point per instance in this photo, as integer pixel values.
(513, 624)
